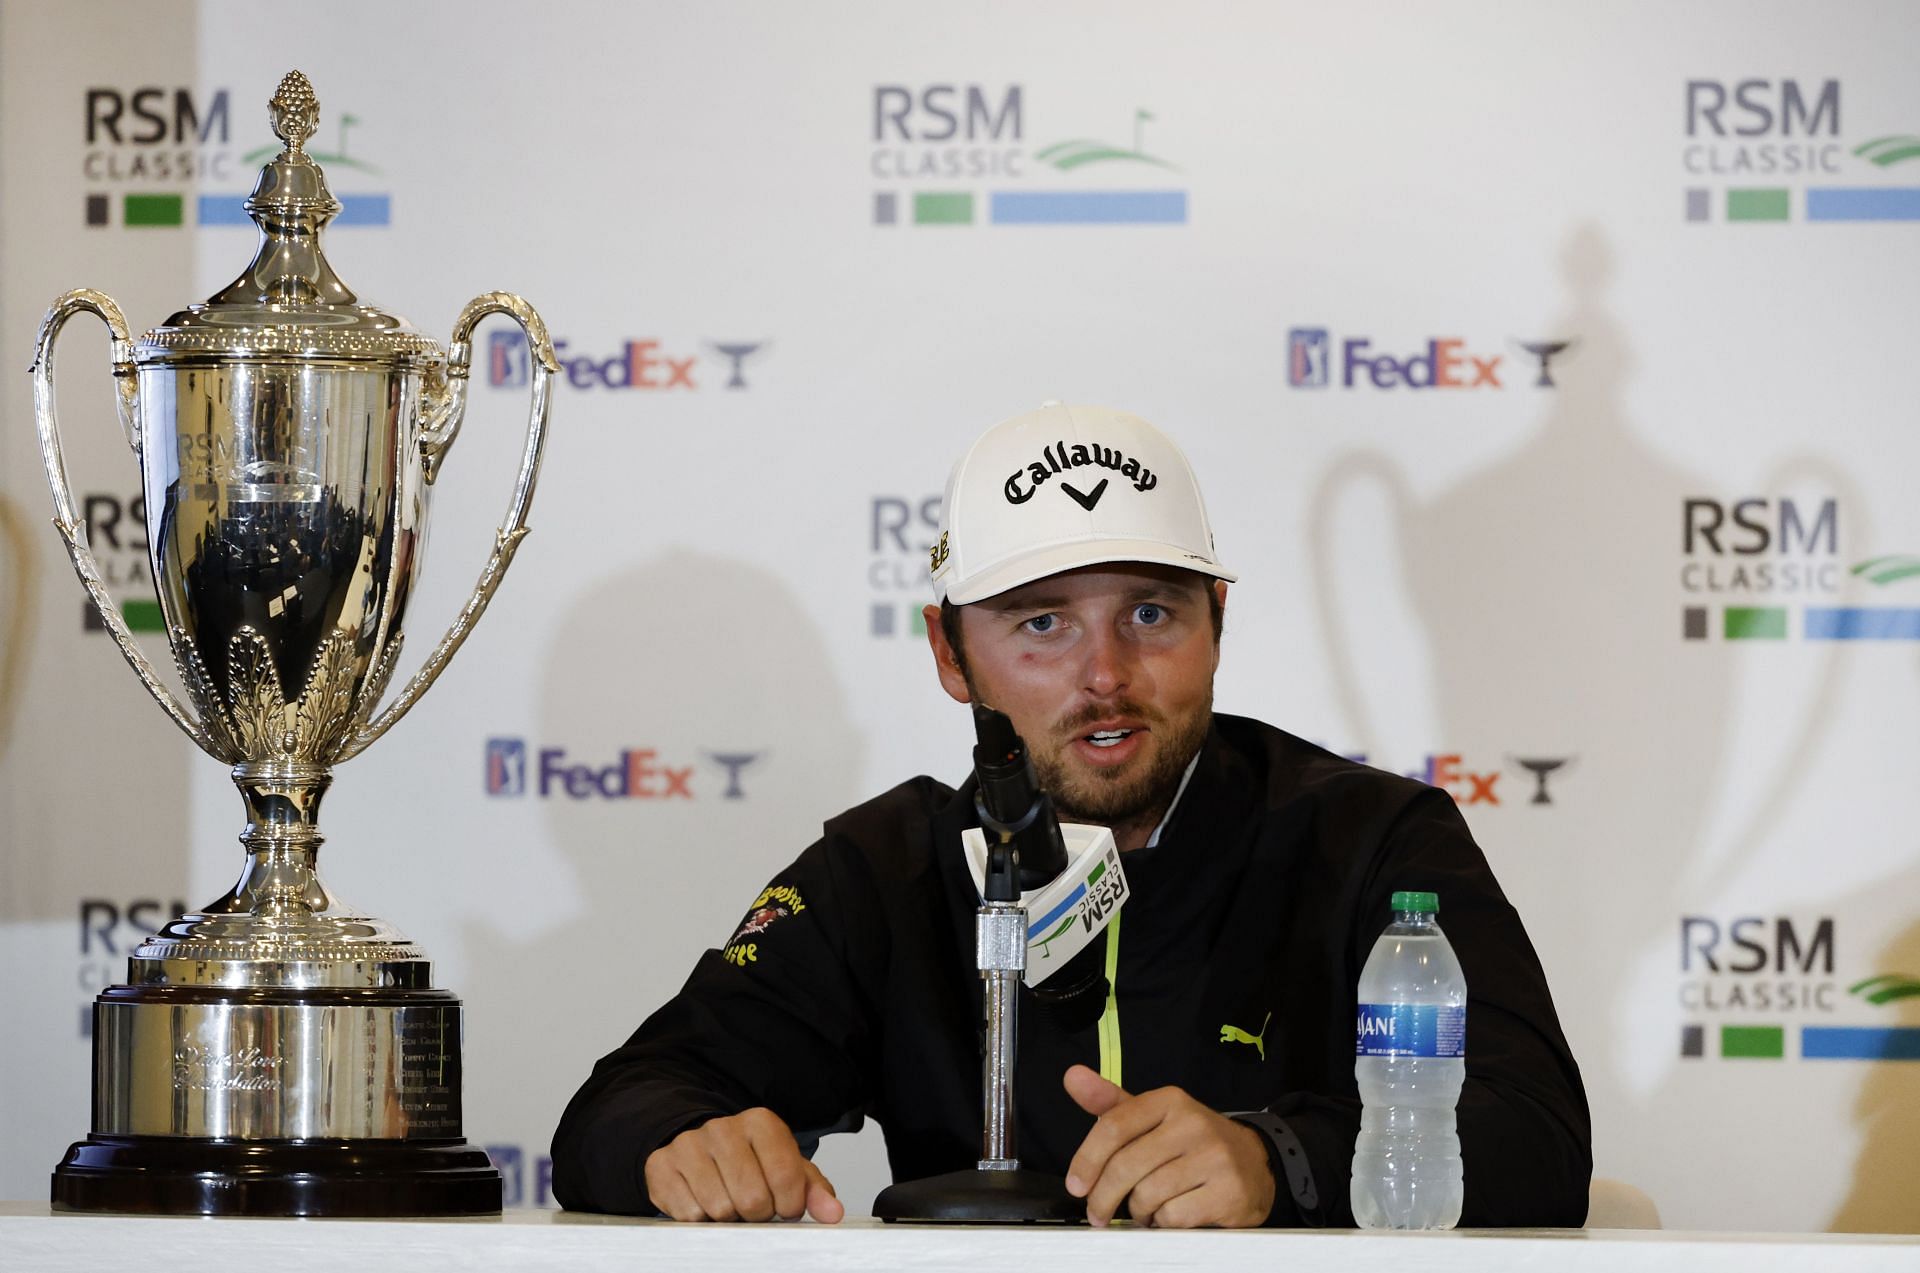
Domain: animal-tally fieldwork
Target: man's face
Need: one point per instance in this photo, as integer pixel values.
(1107, 674)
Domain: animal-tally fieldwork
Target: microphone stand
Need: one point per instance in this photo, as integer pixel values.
(1000, 944)
(998, 1190)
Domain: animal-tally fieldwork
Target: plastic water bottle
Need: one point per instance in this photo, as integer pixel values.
(1409, 1059)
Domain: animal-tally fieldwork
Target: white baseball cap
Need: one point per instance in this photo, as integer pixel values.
(1064, 487)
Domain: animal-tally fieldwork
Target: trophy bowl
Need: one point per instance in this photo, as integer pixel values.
(277, 1053)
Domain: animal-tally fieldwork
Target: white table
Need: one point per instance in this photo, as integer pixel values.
(33, 1238)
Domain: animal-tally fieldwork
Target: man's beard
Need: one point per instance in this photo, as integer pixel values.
(1116, 796)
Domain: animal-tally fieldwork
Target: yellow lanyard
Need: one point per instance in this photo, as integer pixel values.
(1110, 1019)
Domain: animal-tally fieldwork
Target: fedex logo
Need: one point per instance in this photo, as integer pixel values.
(1463, 784)
(1449, 772)
(638, 773)
(1442, 363)
(639, 364)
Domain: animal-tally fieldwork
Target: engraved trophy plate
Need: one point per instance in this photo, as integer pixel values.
(275, 1052)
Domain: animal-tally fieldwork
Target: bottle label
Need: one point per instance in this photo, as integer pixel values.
(1410, 1029)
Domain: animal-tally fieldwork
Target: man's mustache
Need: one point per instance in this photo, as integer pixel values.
(1076, 724)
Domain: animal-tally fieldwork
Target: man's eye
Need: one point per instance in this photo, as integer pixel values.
(1149, 614)
(1040, 623)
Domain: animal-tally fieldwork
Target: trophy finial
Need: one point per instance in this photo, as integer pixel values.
(295, 111)
(291, 204)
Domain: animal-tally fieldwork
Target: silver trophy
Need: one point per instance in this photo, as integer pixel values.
(276, 1053)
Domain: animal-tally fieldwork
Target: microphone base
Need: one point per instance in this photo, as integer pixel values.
(981, 1197)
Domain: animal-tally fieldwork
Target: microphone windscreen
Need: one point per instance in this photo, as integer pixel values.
(997, 740)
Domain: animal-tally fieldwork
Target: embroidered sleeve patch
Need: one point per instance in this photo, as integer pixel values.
(775, 903)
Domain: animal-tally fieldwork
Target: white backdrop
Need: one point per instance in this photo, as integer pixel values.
(1632, 569)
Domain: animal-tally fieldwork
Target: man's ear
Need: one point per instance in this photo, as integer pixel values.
(946, 664)
(1220, 594)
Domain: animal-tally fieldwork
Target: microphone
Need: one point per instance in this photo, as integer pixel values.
(1011, 803)
(1013, 806)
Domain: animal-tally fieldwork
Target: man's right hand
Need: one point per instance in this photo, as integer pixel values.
(745, 1167)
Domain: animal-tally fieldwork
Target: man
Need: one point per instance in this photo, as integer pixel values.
(1081, 595)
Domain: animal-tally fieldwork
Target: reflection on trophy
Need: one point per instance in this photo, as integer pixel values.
(277, 1053)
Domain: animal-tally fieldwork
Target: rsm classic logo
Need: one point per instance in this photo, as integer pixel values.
(1775, 568)
(109, 929)
(150, 150)
(901, 539)
(1761, 149)
(636, 773)
(117, 531)
(957, 154)
(1764, 987)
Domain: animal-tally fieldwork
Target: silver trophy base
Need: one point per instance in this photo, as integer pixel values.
(316, 1100)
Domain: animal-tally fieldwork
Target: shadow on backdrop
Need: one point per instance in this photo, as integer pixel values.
(1544, 586)
(18, 595)
(1547, 590)
(707, 681)
(1883, 1199)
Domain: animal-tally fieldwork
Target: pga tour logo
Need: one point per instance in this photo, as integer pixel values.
(1307, 357)
(506, 767)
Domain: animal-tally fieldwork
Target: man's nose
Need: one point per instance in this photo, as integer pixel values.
(1109, 666)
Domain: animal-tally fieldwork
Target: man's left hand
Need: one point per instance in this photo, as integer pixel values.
(1174, 1162)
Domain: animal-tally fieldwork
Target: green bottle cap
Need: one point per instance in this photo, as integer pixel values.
(1425, 903)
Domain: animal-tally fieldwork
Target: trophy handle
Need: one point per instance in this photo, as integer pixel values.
(127, 396)
(444, 417)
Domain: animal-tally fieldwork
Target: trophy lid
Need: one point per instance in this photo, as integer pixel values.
(288, 301)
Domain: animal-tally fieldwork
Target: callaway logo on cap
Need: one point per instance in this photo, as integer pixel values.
(1064, 487)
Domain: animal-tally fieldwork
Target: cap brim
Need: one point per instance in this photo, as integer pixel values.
(1024, 568)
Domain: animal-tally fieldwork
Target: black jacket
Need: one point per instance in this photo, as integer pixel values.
(851, 992)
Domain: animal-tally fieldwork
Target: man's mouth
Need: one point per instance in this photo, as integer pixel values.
(1108, 737)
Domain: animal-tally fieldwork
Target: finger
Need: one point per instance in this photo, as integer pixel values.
(1128, 1121)
(1127, 1169)
(822, 1203)
(1090, 1092)
(745, 1182)
(1150, 1202)
(697, 1167)
(782, 1166)
(668, 1188)
(1202, 1207)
